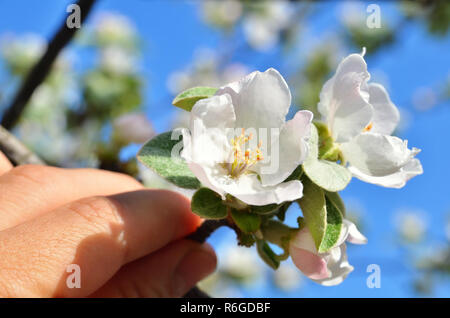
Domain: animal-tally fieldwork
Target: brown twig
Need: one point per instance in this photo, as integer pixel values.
(38, 73)
(16, 151)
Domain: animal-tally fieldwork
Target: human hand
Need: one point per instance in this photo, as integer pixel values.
(127, 241)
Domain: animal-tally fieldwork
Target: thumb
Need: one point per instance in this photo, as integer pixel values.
(170, 272)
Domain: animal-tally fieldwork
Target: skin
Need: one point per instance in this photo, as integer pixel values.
(126, 240)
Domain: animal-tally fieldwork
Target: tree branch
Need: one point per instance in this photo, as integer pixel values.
(16, 151)
(38, 73)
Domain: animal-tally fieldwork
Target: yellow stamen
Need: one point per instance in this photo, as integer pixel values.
(243, 161)
(368, 127)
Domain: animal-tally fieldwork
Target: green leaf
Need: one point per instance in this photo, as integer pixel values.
(247, 222)
(336, 199)
(333, 228)
(326, 174)
(187, 99)
(208, 204)
(267, 254)
(321, 215)
(157, 155)
(265, 209)
(314, 210)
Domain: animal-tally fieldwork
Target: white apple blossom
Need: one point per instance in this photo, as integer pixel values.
(329, 268)
(258, 102)
(361, 118)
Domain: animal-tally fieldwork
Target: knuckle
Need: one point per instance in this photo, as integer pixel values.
(98, 210)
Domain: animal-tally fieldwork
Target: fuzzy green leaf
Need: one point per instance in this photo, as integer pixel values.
(336, 199)
(208, 204)
(247, 222)
(321, 214)
(314, 210)
(187, 99)
(157, 155)
(333, 228)
(326, 174)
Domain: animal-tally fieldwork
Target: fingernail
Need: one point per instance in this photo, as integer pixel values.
(194, 266)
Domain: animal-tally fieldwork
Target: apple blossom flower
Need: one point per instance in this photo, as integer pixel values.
(361, 118)
(329, 268)
(253, 173)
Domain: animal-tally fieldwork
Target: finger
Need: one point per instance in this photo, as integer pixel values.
(98, 234)
(31, 190)
(5, 164)
(169, 272)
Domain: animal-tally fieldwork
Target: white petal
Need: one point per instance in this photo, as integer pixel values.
(304, 240)
(304, 255)
(338, 267)
(214, 112)
(261, 100)
(395, 180)
(292, 146)
(343, 103)
(197, 169)
(386, 116)
(249, 189)
(377, 155)
(205, 146)
(203, 174)
(354, 236)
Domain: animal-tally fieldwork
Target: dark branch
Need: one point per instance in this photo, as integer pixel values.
(16, 151)
(206, 229)
(38, 73)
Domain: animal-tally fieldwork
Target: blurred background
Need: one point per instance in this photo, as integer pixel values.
(111, 89)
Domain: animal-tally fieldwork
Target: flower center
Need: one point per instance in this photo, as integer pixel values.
(242, 159)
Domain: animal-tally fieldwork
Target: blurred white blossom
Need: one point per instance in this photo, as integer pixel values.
(240, 263)
(411, 225)
(116, 60)
(222, 13)
(287, 277)
(205, 71)
(114, 29)
(262, 26)
(133, 128)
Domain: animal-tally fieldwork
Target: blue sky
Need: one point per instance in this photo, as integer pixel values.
(173, 30)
